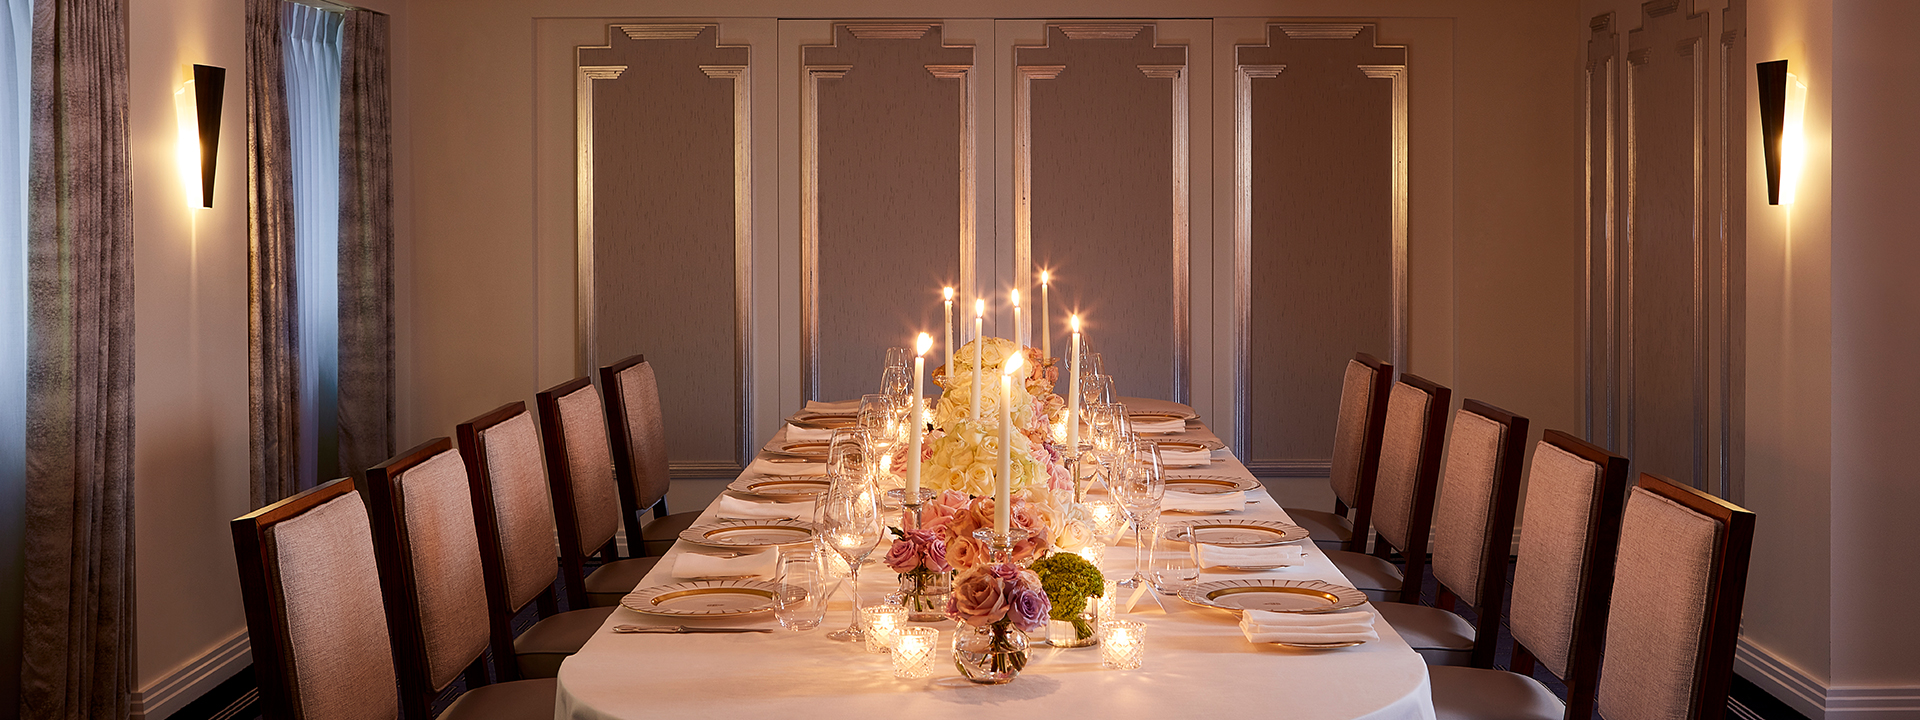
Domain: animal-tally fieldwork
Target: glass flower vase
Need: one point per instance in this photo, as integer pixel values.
(1076, 631)
(924, 594)
(989, 654)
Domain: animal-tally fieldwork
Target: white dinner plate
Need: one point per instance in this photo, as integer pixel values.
(1236, 533)
(749, 533)
(1289, 596)
(800, 448)
(708, 598)
(1211, 484)
(782, 486)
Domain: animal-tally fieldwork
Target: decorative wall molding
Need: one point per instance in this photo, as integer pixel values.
(890, 31)
(1602, 119)
(1815, 698)
(1291, 468)
(1320, 31)
(1091, 31)
(583, 206)
(1731, 240)
(165, 696)
(662, 31)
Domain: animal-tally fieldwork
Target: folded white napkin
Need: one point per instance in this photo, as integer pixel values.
(1159, 426)
(1177, 501)
(729, 506)
(696, 566)
(1212, 556)
(1151, 405)
(795, 433)
(833, 406)
(1196, 434)
(1261, 626)
(1185, 458)
(763, 467)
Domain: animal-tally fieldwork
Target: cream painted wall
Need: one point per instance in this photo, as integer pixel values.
(190, 277)
(1515, 213)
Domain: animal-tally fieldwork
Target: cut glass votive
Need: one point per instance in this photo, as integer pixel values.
(1123, 644)
(882, 621)
(913, 649)
(1104, 605)
(1094, 552)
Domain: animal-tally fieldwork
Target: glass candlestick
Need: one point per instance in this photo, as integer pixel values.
(1000, 547)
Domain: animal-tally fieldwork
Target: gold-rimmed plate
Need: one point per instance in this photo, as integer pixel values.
(1237, 533)
(825, 422)
(1288, 596)
(708, 598)
(782, 486)
(1320, 646)
(1181, 445)
(801, 448)
(749, 533)
(1154, 417)
(1211, 484)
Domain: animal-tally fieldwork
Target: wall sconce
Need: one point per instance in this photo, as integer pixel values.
(197, 109)
(1783, 112)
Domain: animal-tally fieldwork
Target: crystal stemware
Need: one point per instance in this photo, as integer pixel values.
(1140, 485)
(853, 526)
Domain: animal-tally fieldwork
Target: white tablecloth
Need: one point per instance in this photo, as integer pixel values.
(1198, 665)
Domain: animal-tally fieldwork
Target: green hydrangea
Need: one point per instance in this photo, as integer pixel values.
(1069, 579)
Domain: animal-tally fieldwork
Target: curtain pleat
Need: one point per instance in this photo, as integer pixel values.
(366, 246)
(77, 650)
(272, 301)
(310, 40)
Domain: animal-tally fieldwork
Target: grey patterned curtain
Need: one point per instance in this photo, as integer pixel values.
(273, 315)
(77, 649)
(366, 246)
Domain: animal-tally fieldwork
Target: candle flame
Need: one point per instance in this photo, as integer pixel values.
(925, 341)
(1076, 323)
(1044, 276)
(979, 307)
(947, 293)
(1013, 364)
(1016, 298)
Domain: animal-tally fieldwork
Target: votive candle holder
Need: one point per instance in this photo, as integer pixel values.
(1094, 552)
(913, 649)
(882, 622)
(1123, 644)
(1105, 604)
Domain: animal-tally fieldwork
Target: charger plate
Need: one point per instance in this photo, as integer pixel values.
(1290, 596)
(1237, 533)
(749, 533)
(1211, 484)
(709, 598)
(1181, 445)
(801, 448)
(782, 486)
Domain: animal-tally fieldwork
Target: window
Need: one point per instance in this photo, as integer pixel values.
(311, 44)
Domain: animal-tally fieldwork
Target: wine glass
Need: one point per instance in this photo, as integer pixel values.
(847, 451)
(850, 520)
(1140, 485)
(882, 423)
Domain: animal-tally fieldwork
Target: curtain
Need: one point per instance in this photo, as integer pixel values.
(366, 246)
(310, 42)
(273, 337)
(77, 654)
(16, 49)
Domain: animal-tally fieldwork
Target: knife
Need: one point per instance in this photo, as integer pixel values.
(682, 629)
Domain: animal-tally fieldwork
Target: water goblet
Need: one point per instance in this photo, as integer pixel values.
(852, 524)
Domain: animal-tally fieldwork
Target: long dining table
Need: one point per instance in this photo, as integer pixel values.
(1198, 664)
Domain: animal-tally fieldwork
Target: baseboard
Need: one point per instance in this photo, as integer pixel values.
(1873, 702)
(167, 695)
(1290, 468)
(1815, 698)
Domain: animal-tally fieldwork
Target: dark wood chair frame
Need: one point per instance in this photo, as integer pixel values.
(1498, 549)
(473, 451)
(1426, 485)
(1369, 455)
(384, 508)
(1726, 591)
(623, 470)
(553, 449)
(266, 625)
(1602, 548)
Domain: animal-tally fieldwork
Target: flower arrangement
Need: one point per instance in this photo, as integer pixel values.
(1001, 593)
(1069, 580)
(955, 515)
(921, 550)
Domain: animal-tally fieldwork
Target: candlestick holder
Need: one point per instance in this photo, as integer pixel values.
(910, 508)
(999, 546)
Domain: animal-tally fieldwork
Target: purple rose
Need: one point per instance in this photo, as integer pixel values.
(903, 557)
(1028, 607)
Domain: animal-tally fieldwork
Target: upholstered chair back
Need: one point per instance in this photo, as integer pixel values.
(503, 453)
(315, 615)
(1356, 438)
(430, 549)
(1463, 514)
(1680, 577)
(588, 457)
(1409, 460)
(1564, 573)
(639, 430)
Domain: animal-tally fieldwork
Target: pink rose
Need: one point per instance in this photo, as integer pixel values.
(979, 598)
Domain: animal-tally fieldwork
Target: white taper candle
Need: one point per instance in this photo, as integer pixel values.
(915, 427)
(973, 397)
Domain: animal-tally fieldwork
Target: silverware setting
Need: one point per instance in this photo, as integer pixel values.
(684, 629)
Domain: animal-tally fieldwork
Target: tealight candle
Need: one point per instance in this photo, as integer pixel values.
(882, 621)
(913, 649)
(1094, 552)
(1104, 605)
(1123, 644)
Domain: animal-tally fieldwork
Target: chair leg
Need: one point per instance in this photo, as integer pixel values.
(476, 672)
(1523, 661)
(1446, 599)
(636, 546)
(548, 602)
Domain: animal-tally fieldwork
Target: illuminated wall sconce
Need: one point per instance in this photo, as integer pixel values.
(197, 107)
(1783, 112)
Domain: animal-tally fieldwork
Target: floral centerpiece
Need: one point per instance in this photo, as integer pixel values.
(926, 577)
(1071, 583)
(992, 601)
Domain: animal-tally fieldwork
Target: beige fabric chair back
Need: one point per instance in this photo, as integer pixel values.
(1402, 448)
(596, 499)
(646, 433)
(1350, 439)
(310, 579)
(1566, 550)
(1657, 624)
(1464, 510)
(443, 549)
(510, 455)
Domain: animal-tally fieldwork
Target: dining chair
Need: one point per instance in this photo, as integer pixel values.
(428, 550)
(1562, 580)
(586, 497)
(1406, 480)
(634, 420)
(314, 615)
(518, 545)
(1472, 540)
(1356, 457)
(1674, 618)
